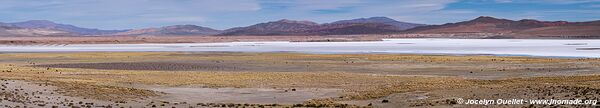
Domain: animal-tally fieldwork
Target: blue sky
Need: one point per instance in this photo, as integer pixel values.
(222, 14)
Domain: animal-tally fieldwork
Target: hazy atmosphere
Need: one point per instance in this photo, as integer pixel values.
(224, 14)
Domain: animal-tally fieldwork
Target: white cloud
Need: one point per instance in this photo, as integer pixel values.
(115, 14)
(324, 4)
(196, 19)
(503, 1)
(222, 14)
(369, 5)
(592, 6)
(411, 10)
(549, 1)
(571, 1)
(410, 6)
(325, 11)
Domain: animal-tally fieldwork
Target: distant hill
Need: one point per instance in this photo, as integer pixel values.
(7, 29)
(49, 25)
(525, 27)
(591, 28)
(374, 25)
(4, 29)
(481, 27)
(353, 28)
(281, 27)
(382, 20)
(173, 30)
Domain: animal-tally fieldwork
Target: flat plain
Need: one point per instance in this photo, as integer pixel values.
(192, 79)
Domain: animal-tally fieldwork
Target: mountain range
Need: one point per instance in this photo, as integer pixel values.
(173, 30)
(525, 27)
(373, 25)
(44, 27)
(398, 25)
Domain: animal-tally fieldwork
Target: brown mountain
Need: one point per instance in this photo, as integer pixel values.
(281, 27)
(7, 29)
(381, 20)
(481, 27)
(49, 25)
(173, 30)
(525, 27)
(374, 25)
(573, 29)
(353, 28)
(48, 28)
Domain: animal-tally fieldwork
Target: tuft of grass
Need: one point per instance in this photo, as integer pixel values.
(361, 76)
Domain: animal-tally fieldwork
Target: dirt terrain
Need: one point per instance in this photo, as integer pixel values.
(182, 79)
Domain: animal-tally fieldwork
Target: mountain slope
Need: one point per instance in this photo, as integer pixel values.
(11, 30)
(381, 20)
(4, 29)
(489, 27)
(486, 24)
(49, 25)
(173, 30)
(281, 27)
(484, 27)
(570, 29)
(353, 28)
(374, 25)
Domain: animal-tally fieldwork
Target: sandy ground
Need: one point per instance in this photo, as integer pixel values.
(17, 94)
(180, 79)
(245, 95)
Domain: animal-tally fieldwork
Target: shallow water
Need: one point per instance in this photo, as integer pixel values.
(525, 47)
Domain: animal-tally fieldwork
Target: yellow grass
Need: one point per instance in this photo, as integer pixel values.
(358, 85)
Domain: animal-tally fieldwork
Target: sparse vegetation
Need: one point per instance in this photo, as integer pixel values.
(360, 76)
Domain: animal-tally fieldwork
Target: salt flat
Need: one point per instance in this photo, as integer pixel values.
(519, 47)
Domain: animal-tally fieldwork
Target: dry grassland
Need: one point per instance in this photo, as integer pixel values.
(361, 76)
